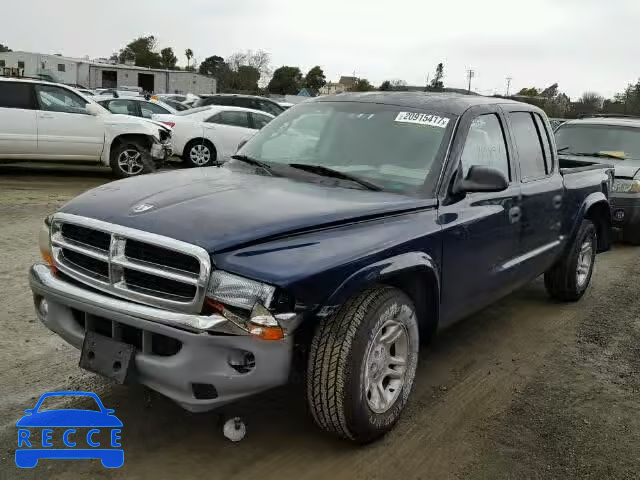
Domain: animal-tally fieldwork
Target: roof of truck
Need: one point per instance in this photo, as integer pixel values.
(453, 103)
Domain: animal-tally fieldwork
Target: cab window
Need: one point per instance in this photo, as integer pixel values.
(485, 145)
(56, 99)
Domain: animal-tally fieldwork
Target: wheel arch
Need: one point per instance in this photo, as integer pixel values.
(414, 273)
(596, 208)
(129, 137)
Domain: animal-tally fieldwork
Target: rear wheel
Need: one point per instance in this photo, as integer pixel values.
(130, 159)
(362, 364)
(568, 279)
(200, 153)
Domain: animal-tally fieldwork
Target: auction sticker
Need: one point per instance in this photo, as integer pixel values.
(423, 119)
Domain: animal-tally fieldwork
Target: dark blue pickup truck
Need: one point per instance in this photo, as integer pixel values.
(339, 238)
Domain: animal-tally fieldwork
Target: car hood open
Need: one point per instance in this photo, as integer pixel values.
(218, 208)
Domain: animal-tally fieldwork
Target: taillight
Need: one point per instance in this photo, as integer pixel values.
(169, 124)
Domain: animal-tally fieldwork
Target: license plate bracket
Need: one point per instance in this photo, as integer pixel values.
(107, 357)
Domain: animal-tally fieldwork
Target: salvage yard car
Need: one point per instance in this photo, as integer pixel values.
(615, 140)
(206, 136)
(48, 121)
(334, 246)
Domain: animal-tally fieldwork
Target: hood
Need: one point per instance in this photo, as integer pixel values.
(218, 208)
(119, 119)
(622, 168)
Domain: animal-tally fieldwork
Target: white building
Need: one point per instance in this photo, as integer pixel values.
(96, 74)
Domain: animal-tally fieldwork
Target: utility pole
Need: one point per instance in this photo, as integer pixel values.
(470, 75)
(508, 85)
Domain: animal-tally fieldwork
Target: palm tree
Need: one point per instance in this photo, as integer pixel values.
(189, 54)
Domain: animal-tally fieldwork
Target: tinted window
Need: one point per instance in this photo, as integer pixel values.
(546, 141)
(528, 144)
(216, 101)
(270, 107)
(56, 99)
(234, 118)
(16, 95)
(260, 121)
(149, 109)
(243, 102)
(485, 145)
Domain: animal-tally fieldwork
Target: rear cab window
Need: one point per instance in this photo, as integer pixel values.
(528, 144)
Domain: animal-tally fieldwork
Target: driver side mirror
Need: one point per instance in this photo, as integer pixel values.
(481, 179)
(93, 109)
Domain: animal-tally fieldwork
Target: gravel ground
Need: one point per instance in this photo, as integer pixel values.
(525, 389)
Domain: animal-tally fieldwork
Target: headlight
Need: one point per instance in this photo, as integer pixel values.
(626, 186)
(236, 291)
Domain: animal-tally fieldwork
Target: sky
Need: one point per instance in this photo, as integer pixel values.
(583, 45)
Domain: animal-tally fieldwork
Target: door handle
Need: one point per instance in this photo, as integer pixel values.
(557, 201)
(515, 213)
(45, 115)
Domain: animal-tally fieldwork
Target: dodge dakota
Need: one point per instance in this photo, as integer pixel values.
(338, 240)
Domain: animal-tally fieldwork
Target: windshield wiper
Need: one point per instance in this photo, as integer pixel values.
(330, 172)
(597, 154)
(251, 161)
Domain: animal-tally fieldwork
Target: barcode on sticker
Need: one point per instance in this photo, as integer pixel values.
(423, 119)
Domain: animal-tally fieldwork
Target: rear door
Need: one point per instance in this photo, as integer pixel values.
(18, 120)
(542, 191)
(481, 231)
(259, 120)
(227, 129)
(65, 130)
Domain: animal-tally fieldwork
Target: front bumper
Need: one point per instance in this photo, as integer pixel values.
(625, 210)
(202, 359)
(161, 151)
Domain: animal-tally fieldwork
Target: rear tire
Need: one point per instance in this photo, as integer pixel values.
(569, 278)
(200, 153)
(362, 363)
(130, 159)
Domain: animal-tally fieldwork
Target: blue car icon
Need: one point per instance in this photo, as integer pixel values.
(67, 420)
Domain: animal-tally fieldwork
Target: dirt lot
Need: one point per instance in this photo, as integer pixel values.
(526, 389)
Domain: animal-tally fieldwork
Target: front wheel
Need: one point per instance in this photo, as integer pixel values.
(362, 363)
(131, 159)
(568, 279)
(200, 153)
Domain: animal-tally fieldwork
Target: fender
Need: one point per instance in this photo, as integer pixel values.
(378, 272)
(591, 200)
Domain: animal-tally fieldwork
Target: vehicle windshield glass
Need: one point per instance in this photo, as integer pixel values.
(619, 141)
(192, 111)
(390, 146)
(55, 402)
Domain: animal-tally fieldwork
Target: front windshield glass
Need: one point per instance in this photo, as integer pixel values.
(618, 141)
(390, 146)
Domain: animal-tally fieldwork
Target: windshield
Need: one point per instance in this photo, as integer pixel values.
(620, 142)
(390, 146)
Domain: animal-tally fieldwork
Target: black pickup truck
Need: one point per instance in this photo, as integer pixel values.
(341, 237)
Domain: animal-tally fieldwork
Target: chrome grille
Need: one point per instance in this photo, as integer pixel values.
(129, 263)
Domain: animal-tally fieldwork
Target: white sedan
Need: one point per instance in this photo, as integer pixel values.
(210, 135)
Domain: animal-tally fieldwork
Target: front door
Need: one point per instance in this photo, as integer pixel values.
(65, 130)
(542, 193)
(481, 231)
(18, 121)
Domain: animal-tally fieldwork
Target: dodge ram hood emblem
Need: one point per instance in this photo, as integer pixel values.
(142, 207)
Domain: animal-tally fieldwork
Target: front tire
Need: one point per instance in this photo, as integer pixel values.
(200, 153)
(130, 159)
(568, 279)
(362, 363)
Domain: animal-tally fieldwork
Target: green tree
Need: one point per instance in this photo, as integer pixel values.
(550, 92)
(213, 65)
(246, 78)
(437, 83)
(4, 48)
(315, 79)
(385, 86)
(189, 54)
(362, 85)
(142, 50)
(286, 80)
(168, 58)
(529, 92)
